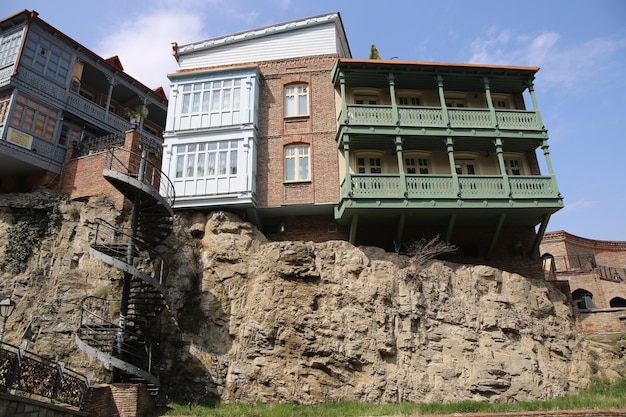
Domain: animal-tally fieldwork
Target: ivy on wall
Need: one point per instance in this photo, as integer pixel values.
(29, 227)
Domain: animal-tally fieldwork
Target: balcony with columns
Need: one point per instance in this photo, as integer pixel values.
(441, 145)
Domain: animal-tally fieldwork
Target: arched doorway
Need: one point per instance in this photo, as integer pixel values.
(583, 299)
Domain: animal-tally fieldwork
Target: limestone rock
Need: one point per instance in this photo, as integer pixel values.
(254, 320)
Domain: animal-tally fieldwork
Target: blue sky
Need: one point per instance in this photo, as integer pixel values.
(579, 45)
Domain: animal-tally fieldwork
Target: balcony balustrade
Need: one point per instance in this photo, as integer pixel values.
(87, 109)
(380, 186)
(436, 117)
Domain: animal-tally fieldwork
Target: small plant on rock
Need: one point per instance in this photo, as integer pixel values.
(423, 250)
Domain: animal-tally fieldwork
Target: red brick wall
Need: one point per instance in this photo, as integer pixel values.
(82, 178)
(607, 253)
(308, 229)
(117, 400)
(318, 130)
(595, 322)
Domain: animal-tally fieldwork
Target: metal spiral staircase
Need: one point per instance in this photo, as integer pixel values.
(120, 332)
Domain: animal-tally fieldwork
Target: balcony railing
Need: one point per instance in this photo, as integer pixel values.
(445, 186)
(80, 105)
(436, 117)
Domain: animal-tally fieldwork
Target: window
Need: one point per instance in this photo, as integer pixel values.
(413, 165)
(69, 135)
(35, 118)
(501, 101)
(206, 160)
(46, 57)
(296, 100)
(211, 97)
(297, 164)
(9, 47)
(513, 166)
(368, 99)
(86, 94)
(408, 100)
(465, 166)
(455, 102)
(369, 165)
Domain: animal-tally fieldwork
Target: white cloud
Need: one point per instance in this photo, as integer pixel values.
(144, 44)
(570, 67)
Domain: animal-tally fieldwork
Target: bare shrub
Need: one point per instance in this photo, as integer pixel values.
(423, 250)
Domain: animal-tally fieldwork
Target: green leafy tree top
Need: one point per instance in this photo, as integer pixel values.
(374, 52)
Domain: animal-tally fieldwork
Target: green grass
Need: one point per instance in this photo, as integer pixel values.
(600, 395)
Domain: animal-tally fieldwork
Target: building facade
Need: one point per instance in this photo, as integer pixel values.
(251, 125)
(371, 151)
(57, 96)
(594, 269)
(443, 149)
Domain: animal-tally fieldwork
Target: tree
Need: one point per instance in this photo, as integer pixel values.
(374, 52)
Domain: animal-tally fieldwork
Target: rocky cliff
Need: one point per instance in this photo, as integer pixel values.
(254, 320)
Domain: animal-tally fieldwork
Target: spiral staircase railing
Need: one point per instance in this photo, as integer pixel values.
(119, 332)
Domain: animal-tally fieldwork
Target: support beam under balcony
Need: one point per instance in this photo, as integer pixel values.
(353, 228)
(534, 252)
(450, 228)
(496, 235)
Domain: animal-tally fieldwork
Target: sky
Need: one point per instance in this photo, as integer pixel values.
(579, 45)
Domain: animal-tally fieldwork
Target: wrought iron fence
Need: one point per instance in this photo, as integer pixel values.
(30, 373)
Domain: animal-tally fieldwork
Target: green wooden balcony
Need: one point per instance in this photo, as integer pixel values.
(470, 187)
(370, 115)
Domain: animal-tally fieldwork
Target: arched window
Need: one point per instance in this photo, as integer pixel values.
(617, 302)
(297, 162)
(296, 100)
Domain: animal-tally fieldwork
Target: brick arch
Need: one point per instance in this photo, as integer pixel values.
(296, 79)
(292, 140)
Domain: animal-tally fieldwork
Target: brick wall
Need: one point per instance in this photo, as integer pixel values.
(81, 177)
(602, 321)
(119, 400)
(607, 253)
(318, 130)
(308, 229)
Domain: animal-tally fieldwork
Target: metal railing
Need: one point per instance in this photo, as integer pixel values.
(587, 263)
(129, 163)
(100, 330)
(113, 240)
(24, 371)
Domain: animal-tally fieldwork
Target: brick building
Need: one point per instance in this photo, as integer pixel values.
(281, 125)
(594, 269)
(251, 126)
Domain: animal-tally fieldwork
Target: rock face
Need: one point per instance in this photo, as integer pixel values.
(253, 320)
(305, 322)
